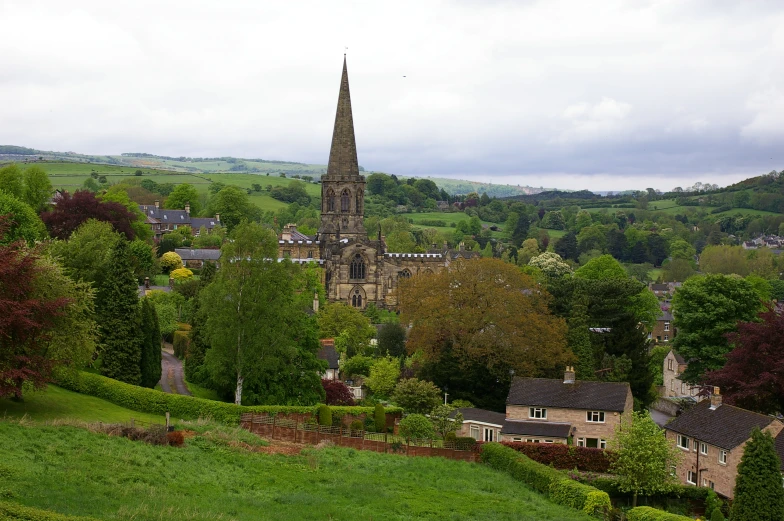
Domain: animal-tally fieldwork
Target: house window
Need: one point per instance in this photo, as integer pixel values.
(548, 441)
(723, 457)
(704, 449)
(310, 254)
(345, 201)
(595, 416)
(474, 430)
(531, 440)
(712, 485)
(330, 201)
(595, 443)
(691, 477)
(602, 444)
(537, 412)
(357, 268)
(669, 364)
(581, 442)
(287, 254)
(666, 326)
(489, 434)
(683, 442)
(666, 338)
(517, 439)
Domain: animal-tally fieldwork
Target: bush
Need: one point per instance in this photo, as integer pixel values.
(416, 426)
(170, 261)
(175, 438)
(13, 511)
(417, 396)
(324, 415)
(565, 457)
(357, 425)
(181, 274)
(380, 417)
(717, 515)
(337, 393)
(461, 442)
(546, 480)
(180, 344)
(180, 406)
(653, 514)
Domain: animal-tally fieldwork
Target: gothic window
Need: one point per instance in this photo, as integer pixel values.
(345, 201)
(356, 299)
(405, 274)
(357, 268)
(330, 201)
(358, 206)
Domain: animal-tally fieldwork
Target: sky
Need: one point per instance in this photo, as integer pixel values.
(608, 95)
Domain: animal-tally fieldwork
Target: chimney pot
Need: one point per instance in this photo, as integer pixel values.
(715, 398)
(188, 208)
(157, 204)
(569, 375)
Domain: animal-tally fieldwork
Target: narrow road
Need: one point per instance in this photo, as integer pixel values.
(171, 374)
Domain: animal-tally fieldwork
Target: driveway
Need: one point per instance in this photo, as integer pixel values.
(172, 378)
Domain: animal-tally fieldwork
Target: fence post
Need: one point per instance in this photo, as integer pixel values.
(362, 433)
(385, 443)
(167, 420)
(273, 426)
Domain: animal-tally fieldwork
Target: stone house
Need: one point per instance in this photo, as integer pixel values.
(663, 330)
(328, 353)
(195, 257)
(541, 409)
(661, 290)
(674, 365)
(164, 221)
(712, 437)
(480, 424)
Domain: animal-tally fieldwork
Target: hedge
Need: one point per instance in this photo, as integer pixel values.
(653, 514)
(546, 480)
(610, 485)
(180, 406)
(13, 512)
(565, 457)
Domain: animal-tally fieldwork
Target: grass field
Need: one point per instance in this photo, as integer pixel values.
(55, 403)
(448, 218)
(74, 471)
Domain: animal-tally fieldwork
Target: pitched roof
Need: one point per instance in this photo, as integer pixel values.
(529, 428)
(604, 396)
(328, 353)
(207, 222)
(725, 427)
(665, 315)
(481, 415)
(343, 154)
(187, 254)
(678, 358)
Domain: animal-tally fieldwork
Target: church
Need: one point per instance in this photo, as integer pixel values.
(357, 268)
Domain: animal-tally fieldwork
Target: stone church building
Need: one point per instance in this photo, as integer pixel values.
(357, 268)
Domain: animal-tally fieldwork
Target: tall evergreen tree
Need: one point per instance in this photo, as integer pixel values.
(119, 323)
(759, 495)
(194, 358)
(150, 363)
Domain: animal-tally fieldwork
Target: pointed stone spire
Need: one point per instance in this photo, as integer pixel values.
(343, 154)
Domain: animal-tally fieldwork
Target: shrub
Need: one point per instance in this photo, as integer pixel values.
(12, 511)
(380, 417)
(461, 403)
(175, 438)
(180, 344)
(653, 514)
(417, 396)
(170, 261)
(572, 494)
(337, 393)
(357, 425)
(717, 515)
(180, 406)
(325, 415)
(182, 274)
(416, 426)
(565, 457)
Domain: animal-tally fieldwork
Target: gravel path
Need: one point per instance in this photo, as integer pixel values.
(171, 374)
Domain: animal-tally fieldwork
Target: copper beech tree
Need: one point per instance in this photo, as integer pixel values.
(484, 311)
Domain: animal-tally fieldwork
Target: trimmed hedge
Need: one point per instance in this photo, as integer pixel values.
(180, 406)
(13, 512)
(566, 457)
(547, 480)
(653, 514)
(610, 485)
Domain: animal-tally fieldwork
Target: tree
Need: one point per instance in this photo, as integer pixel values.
(86, 254)
(600, 268)
(73, 210)
(22, 223)
(759, 351)
(392, 340)
(119, 321)
(145, 263)
(358, 365)
(528, 251)
(233, 206)
(416, 426)
(347, 325)
(181, 274)
(445, 420)
(337, 393)
(724, 259)
(678, 270)
(758, 492)
(119, 194)
(415, 395)
(150, 362)
(37, 188)
(11, 180)
(566, 246)
(705, 309)
(644, 457)
(181, 195)
(383, 375)
(551, 264)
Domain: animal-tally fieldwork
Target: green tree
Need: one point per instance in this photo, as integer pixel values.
(351, 329)
(680, 249)
(184, 194)
(24, 223)
(119, 318)
(415, 395)
(392, 340)
(759, 495)
(358, 365)
(150, 362)
(602, 268)
(551, 264)
(37, 188)
(528, 251)
(86, 254)
(445, 420)
(383, 376)
(233, 206)
(12, 181)
(644, 457)
(416, 426)
(678, 270)
(705, 309)
(145, 263)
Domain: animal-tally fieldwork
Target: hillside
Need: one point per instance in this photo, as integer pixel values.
(74, 471)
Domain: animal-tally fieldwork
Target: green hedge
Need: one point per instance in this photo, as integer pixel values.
(547, 480)
(13, 512)
(180, 406)
(653, 514)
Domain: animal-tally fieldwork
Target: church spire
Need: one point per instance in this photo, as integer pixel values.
(343, 154)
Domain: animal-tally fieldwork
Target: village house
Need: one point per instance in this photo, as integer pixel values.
(712, 436)
(673, 367)
(331, 356)
(663, 330)
(480, 424)
(164, 221)
(196, 257)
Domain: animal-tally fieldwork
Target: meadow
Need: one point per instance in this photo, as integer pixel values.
(74, 471)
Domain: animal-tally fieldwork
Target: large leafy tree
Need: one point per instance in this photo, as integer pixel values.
(86, 254)
(119, 320)
(705, 309)
(181, 195)
(758, 351)
(73, 210)
(37, 188)
(758, 492)
(12, 180)
(150, 362)
(347, 325)
(392, 340)
(233, 206)
(22, 223)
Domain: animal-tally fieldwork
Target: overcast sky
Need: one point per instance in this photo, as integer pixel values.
(603, 95)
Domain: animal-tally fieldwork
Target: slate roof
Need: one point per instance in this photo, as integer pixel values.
(530, 428)
(159, 215)
(665, 315)
(207, 222)
(725, 427)
(678, 358)
(187, 254)
(481, 415)
(328, 353)
(600, 396)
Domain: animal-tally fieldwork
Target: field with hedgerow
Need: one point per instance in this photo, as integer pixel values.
(74, 471)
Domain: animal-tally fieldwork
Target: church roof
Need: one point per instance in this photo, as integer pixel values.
(343, 154)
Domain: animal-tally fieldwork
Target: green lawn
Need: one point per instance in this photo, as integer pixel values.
(74, 471)
(56, 403)
(202, 392)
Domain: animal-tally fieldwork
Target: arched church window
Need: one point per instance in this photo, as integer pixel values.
(405, 274)
(330, 201)
(358, 206)
(356, 299)
(357, 268)
(345, 201)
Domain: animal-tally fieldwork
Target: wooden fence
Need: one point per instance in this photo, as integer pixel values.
(294, 431)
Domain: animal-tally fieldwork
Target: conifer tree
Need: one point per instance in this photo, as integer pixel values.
(119, 324)
(759, 495)
(150, 364)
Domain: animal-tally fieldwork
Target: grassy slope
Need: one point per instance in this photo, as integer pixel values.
(56, 403)
(73, 471)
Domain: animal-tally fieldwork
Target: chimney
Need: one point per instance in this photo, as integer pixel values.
(315, 302)
(285, 233)
(715, 399)
(217, 217)
(146, 282)
(461, 246)
(188, 208)
(157, 204)
(569, 375)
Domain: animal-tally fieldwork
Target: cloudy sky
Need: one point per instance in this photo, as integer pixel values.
(603, 95)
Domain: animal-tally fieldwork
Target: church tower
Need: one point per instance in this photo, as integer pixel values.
(342, 188)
